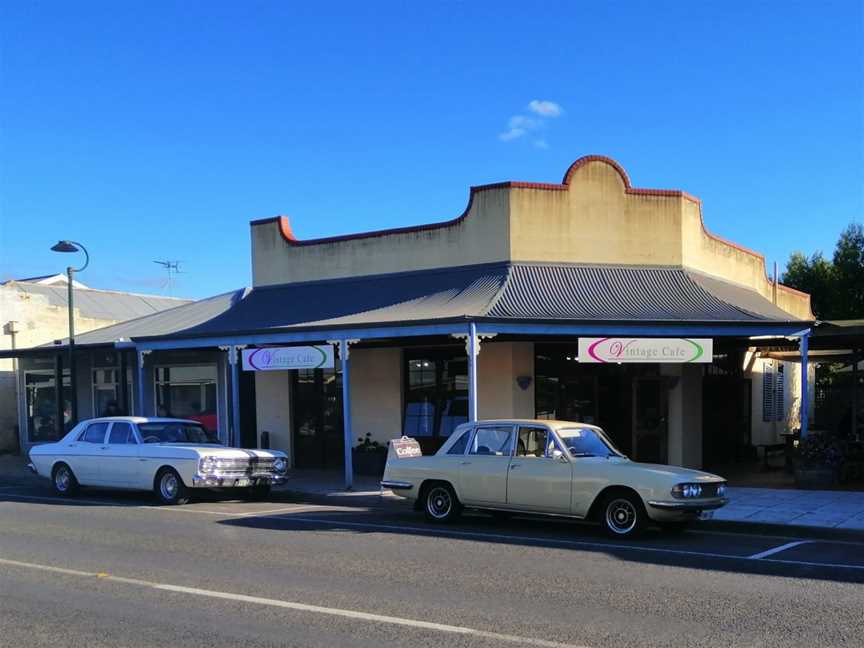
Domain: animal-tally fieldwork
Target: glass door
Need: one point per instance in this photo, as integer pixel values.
(317, 419)
(650, 420)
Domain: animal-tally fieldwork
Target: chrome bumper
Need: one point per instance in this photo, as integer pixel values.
(396, 485)
(235, 481)
(692, 505)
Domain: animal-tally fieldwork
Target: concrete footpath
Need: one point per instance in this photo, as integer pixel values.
(778, 509)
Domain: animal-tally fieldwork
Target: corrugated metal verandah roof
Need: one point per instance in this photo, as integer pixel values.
(500, 291)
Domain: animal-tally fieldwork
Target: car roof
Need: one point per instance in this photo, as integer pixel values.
(138, 419)
(548, 422)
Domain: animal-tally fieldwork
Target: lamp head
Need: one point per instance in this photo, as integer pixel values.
(65, 246)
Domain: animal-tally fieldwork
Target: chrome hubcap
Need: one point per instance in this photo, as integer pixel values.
(61, 479)
(168, 486)
(621, 516)
(439, 502)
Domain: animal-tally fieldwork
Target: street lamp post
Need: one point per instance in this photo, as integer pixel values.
(71, 246)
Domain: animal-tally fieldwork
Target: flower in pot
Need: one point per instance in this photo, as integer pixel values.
(369, 456)
(819, 459)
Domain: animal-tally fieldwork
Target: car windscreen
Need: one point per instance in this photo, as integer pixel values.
(587, 442)
(174, 432)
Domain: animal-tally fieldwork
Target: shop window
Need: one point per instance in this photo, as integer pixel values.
(106, 391)
(188, 392)
(42, 405)
(436, 393)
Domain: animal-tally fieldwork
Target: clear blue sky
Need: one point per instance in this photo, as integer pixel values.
(154, 130)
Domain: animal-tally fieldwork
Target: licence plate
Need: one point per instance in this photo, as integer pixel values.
(706, 515)
(242, 482)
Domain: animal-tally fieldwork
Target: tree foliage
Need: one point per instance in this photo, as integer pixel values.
(836, 287)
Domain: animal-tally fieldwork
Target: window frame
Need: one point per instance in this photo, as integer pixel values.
(132, 429)
(469, 434)
(84, 432)
(477, 429)
(550, 434)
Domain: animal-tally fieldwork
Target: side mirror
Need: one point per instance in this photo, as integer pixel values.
(559, 456)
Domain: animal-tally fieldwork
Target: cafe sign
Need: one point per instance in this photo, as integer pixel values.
(632, 350)
(282, 358)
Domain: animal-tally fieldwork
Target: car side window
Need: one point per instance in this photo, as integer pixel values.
(121, 433)
(532, 442)
(458, 448)
(493, 440)
(95, 433)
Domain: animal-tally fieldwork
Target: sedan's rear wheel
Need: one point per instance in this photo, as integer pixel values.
(440, 503)
(63, 480)
(623, 515)
(169, 488)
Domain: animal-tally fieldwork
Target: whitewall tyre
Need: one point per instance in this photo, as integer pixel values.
(63, 481)
(169, 488)
(440, 503)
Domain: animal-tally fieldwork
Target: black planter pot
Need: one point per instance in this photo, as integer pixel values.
(815, 477)
(369, 463)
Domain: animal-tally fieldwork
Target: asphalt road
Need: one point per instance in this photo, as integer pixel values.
(116, 570)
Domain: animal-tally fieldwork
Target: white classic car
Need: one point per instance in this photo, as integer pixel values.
(165, 455)
(554, 468)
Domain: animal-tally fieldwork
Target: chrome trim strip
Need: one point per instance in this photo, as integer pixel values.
(694, 505)
(396, 485)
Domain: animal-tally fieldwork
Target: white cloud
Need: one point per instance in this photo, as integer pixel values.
(511, 134)
(545, 108)
(519, 126)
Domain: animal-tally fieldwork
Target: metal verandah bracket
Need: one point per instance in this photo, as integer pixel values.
(141, 354)
(232, 351)
(479, 341)
(338, 345)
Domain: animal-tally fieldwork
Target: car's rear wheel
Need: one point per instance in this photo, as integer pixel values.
(63, 480)
(440, 503)
(622, 515)
(169, 488)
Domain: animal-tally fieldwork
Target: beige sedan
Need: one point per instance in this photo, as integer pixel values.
(553, 468)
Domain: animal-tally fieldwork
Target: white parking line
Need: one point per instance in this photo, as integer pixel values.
(771, 552)
(301, 607)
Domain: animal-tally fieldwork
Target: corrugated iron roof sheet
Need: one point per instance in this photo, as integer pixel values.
(164, 322)
(100, 304)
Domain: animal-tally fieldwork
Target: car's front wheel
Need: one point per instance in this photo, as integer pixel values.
(622, 515)
(259, 492)
(169, 488)
(440, 503)
(63, 480)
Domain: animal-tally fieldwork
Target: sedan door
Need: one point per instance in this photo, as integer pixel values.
(539, 479)
(483, 471)
(120, 462)
(85, 455)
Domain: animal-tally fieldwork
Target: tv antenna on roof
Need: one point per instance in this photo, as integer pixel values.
(173, 268)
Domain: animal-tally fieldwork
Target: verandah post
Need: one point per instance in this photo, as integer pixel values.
(346, 411)
(472, 372)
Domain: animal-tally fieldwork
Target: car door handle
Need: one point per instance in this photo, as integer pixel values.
(142, 460)
(465, 463)
(103, 447)
(512, 466)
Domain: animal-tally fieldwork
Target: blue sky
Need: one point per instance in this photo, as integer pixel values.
(158, 130)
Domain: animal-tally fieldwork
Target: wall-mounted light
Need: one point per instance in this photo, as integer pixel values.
(524, 382)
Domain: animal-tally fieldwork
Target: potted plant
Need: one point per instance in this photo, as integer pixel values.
(818, 461)
(369, 456)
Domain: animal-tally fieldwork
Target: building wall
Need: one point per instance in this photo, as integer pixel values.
(480, 237)
(273, 408)
(37, 322)
(498, 394)
(376, 394)
(685, 415)
(594, 216)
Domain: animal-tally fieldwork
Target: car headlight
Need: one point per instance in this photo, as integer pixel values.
(207, 465)
(721, 490)
(687, 490)
(280, 465)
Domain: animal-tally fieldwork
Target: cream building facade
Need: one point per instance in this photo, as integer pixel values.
(482, 316)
